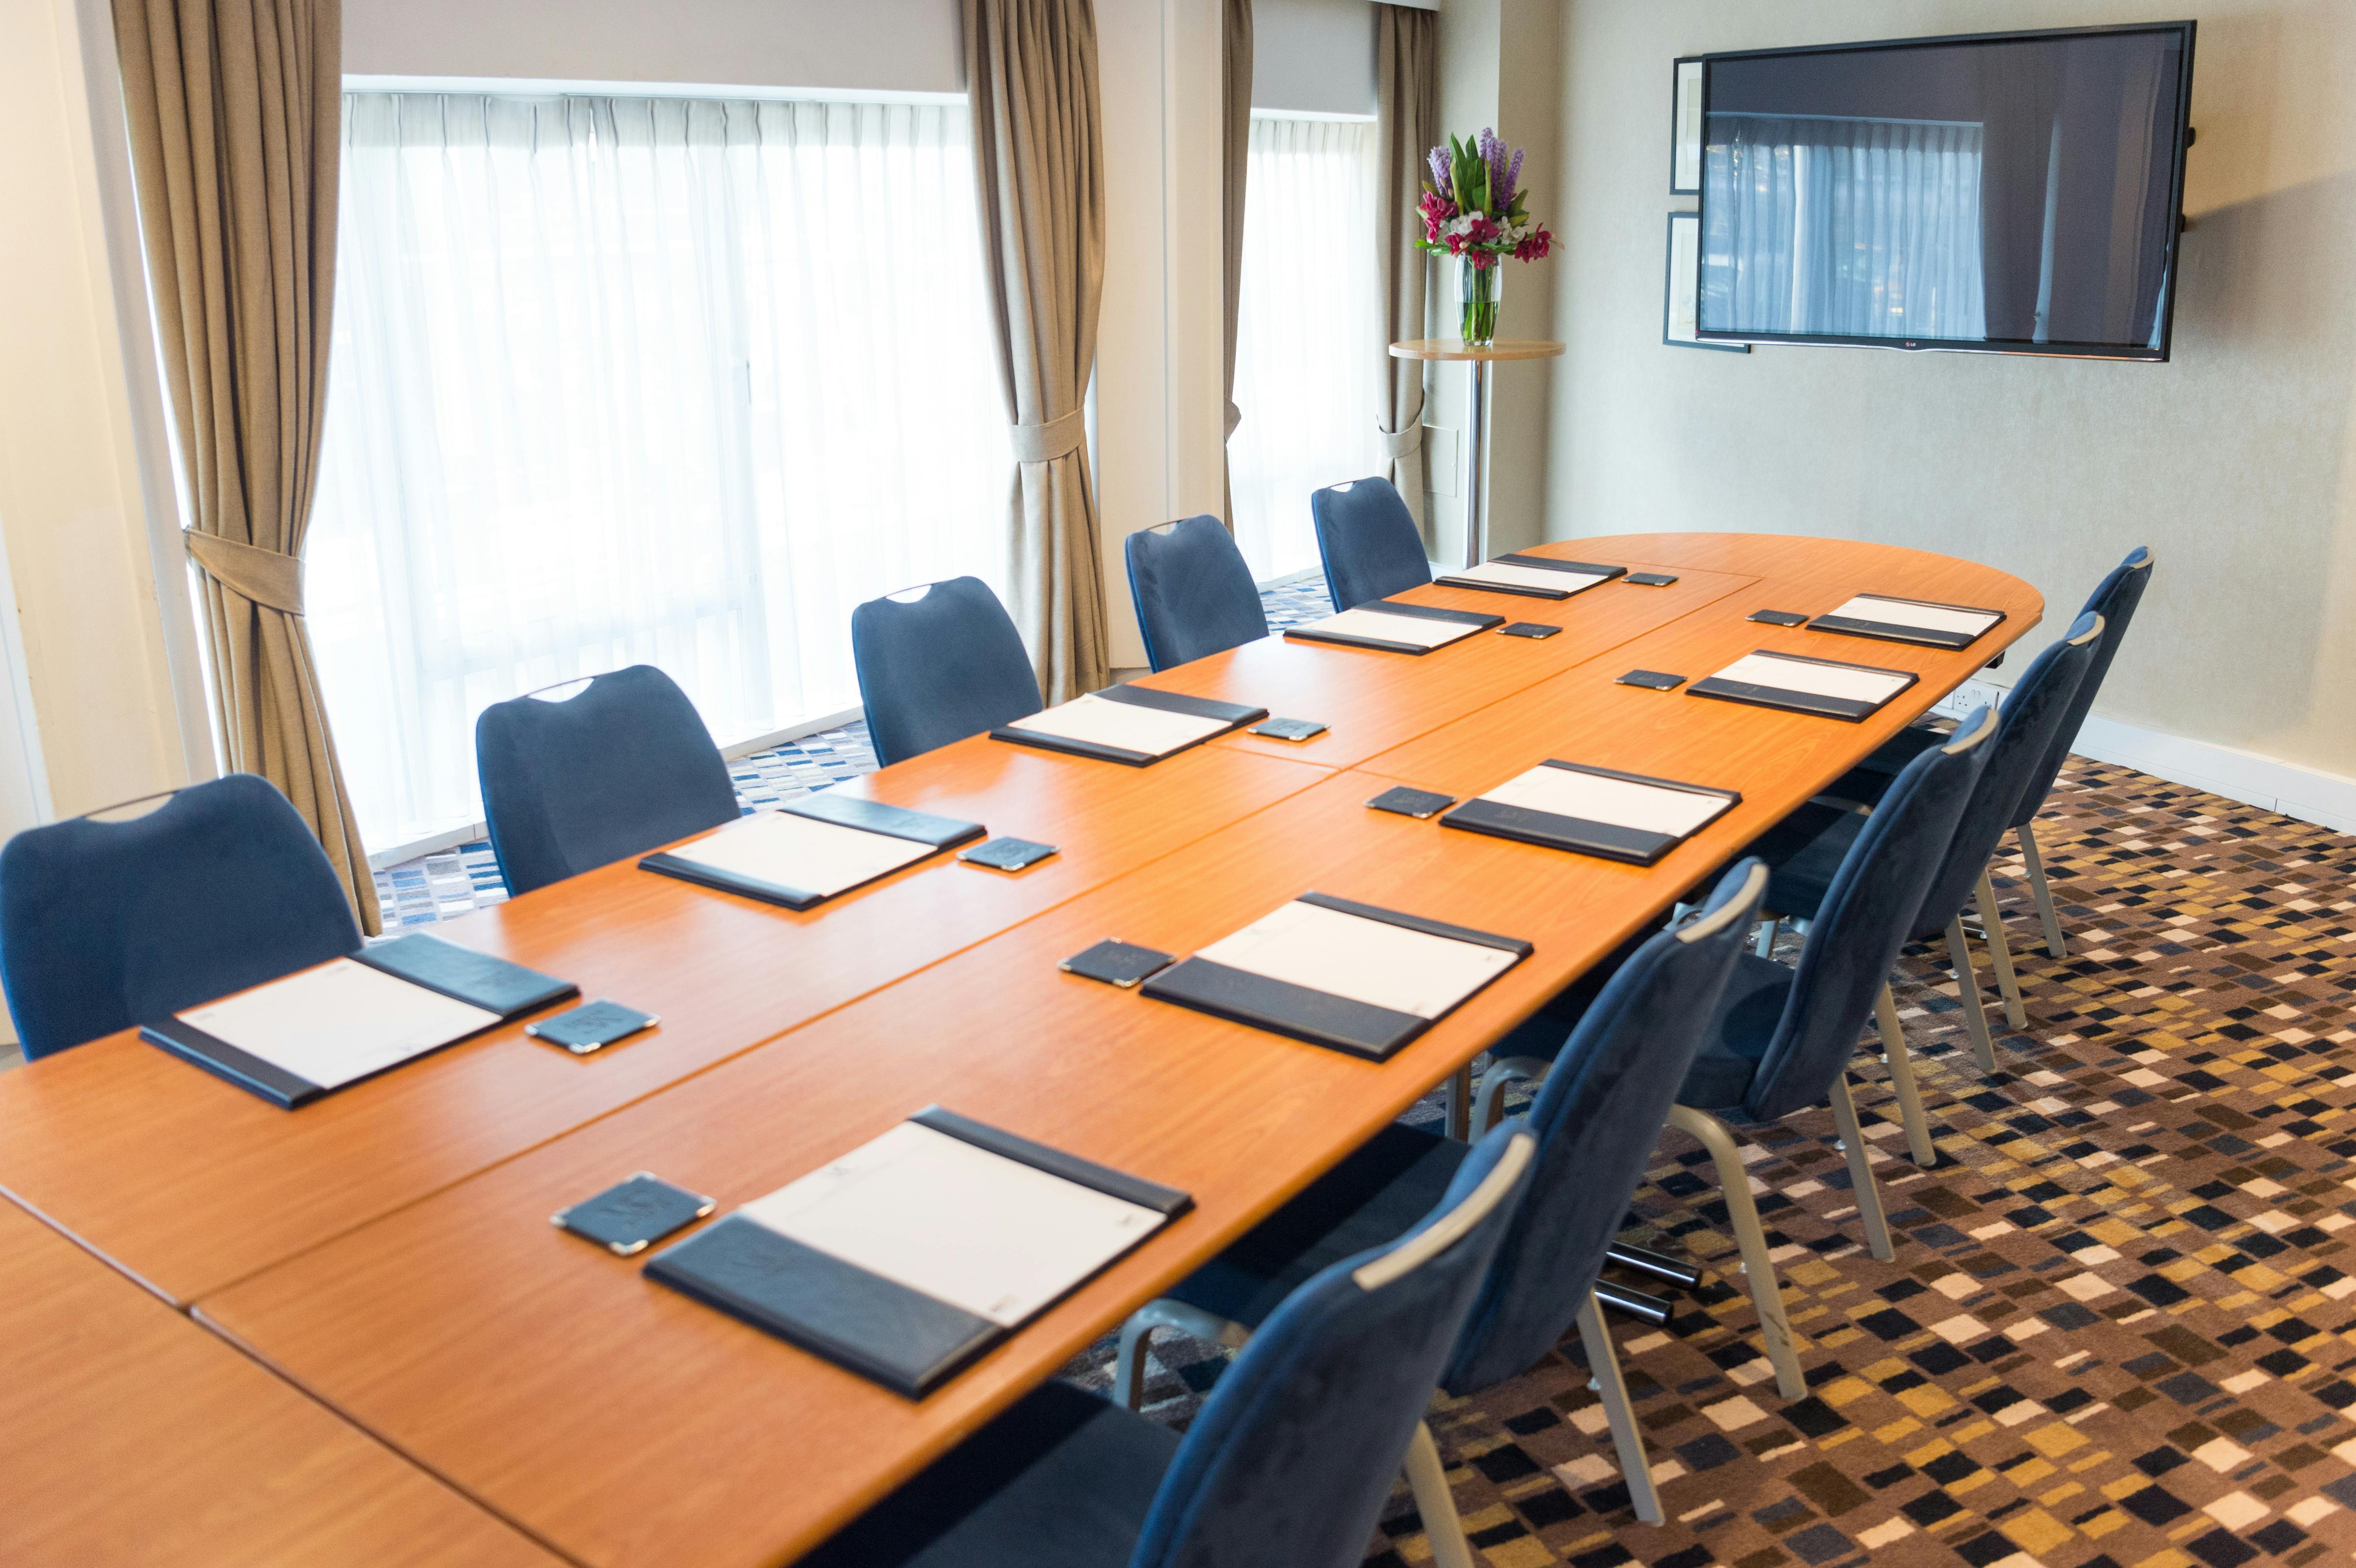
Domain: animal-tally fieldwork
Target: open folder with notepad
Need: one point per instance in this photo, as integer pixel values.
(1594, 811)
(810, 850)
(1918, 621)
(1802, 685)
(1132, 724)
(908, 1256)
(1394, 627)
(1350, 976)
(1533, 576)
(293, 1039)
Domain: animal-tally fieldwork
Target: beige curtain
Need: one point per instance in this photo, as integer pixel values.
(1407, 99)
(1038, 159)
(1234, 130)
(235, 114)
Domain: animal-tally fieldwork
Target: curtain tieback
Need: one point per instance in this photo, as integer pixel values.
(264, 576)
(1055, 438)
(1399, 444)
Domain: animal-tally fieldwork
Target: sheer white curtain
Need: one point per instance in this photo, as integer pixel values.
(1858, 227)
(636, 381)
(1309, 393)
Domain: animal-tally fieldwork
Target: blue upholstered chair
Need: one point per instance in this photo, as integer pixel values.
(939, 668)
(1368, 540)
(1807, 848)
(1195, 595)
(1782, 1037)
(2114, 600)
(108, 924)
(1595, 1120)
(1287, 1465)
(620, 766)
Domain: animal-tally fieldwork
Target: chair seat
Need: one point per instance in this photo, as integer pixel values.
(1368, 1201)
(1733, 1046)
(1064, 1479)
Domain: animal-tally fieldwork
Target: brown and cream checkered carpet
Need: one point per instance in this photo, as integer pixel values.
(2118, 1333)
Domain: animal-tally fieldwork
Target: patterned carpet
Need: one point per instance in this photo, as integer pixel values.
(2113, 1336)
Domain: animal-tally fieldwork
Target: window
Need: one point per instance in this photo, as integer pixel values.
(1309, 338)
(623, 381)
(1852, 227)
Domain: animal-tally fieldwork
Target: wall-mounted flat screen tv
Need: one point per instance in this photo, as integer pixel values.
(2010, 193)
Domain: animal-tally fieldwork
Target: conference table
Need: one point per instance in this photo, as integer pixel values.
(388, 1249)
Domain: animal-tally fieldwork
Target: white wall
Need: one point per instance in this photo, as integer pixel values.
(905, 45)
(2236, 461)
(91, 630)
(1315, 57)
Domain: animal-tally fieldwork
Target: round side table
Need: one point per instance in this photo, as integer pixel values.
(1481, 361)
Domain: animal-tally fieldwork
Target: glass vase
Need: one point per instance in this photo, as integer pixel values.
(1478, 289)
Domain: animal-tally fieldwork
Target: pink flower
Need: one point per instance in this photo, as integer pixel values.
(1483, 261)
(1456, 244)
(1481, 231)
(1437, 209)
(1536, 247)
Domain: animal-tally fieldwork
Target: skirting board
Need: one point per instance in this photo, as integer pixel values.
(2309, 794)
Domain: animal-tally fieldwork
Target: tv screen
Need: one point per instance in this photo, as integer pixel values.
(2004, 192)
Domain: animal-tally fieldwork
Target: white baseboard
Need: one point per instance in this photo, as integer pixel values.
(2309, 794)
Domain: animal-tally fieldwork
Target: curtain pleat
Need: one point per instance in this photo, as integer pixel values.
(1235, 137)
(1407, 98)
(1031, 68)
(233, 108)
(1848, 227)
(1311, 397)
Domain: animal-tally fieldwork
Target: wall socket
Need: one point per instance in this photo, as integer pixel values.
(1975, 693)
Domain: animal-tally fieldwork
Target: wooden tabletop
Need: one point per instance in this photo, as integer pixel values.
(471, 1335)
(129, 1436)
(1457, 348)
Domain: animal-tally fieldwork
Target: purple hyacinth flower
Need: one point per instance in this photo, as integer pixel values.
(1503, 191)
(1437, 158)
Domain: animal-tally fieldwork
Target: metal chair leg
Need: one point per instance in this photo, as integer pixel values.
(1901, 1079)
(1604, 1363)
(1743, 1215)
(1491, 1103)
(1426, 1481)
(2054, 943)
(2000, 952)
(1967, 986)
(1128, 1364)
(1861, 1171)
(1128, 1361)
(1762, 940)
(1460, 1104)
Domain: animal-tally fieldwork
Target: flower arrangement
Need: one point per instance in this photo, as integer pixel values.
(1475, 210)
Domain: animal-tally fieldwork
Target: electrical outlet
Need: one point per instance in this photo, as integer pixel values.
(1972, 694)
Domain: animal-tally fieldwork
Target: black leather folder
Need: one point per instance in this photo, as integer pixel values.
(1607, 839)
(466, 974)
(841, 811)
(1544, 563)
(1844, 708)
(1851, 625)
(1390, 607)
(462, 973)
(1338, 1023)
(1232, 716)
(885, 1332)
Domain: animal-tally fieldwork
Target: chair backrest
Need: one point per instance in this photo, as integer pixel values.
(1368, 540)
(1289, 1461)
(108, 924)
(2024, 733)
(2114, 600)
(622, 766)
(1596, 1119)
(936, 669)
(1862, 921)
(1195, 595)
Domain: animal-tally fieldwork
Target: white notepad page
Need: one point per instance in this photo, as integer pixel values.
(1815, 680)
(1101, 721)
(1648, 808)
(991, 1236)
(1923, 617)
(1415, 629)
(339, 1021)
(790, 852)
(1369, 961)
(1506, 573)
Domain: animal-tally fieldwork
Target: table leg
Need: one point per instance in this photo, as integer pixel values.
(1460, 1104)
(1476, 475)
